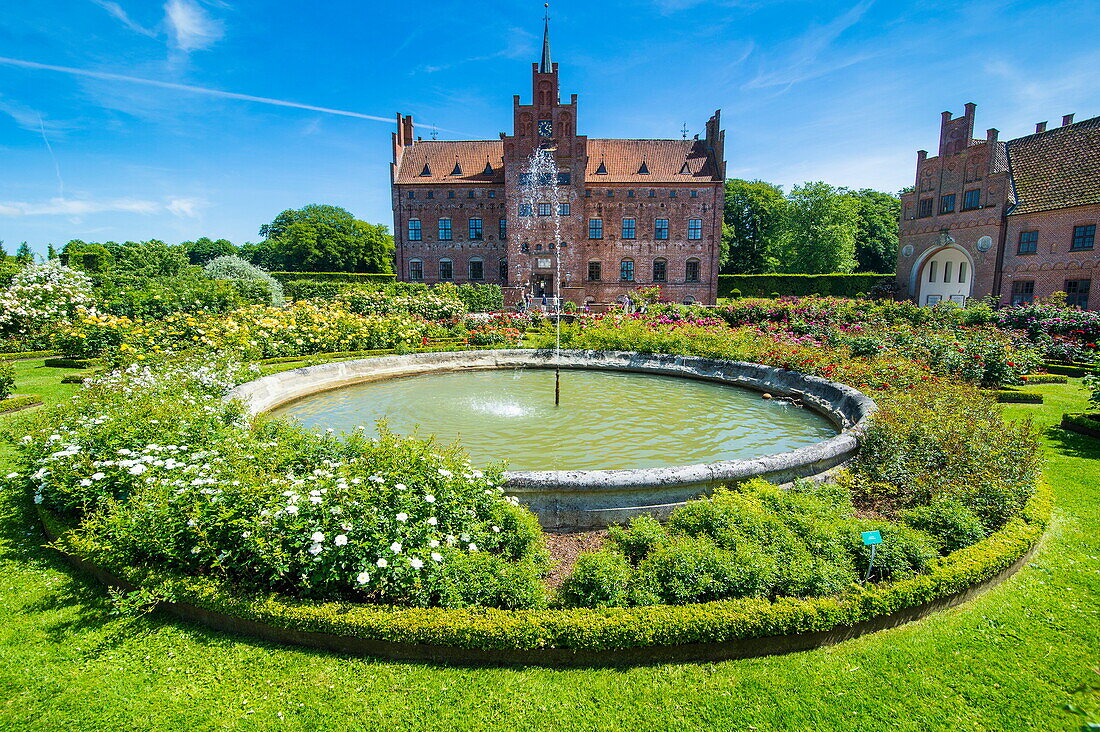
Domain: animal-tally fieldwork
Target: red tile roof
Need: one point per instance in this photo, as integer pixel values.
(441, 156)
(625, 161)
(668, 161)
(1058, 168)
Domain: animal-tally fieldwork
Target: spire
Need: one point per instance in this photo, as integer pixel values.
(546, 67)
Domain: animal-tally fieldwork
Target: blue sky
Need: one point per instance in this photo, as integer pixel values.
(842, 92)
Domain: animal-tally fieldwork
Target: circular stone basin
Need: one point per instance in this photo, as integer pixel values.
(606, 419)
(578, 498)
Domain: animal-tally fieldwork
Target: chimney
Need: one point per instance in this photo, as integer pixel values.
(922, 155)
(1067, 119)
(991, 135)
(1040, 127)
(409, 130)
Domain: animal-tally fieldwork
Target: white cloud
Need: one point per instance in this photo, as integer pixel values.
(191, 27)
(27, 117)
(185, 207)
(119, 14)
(182, 207)
(804, 55)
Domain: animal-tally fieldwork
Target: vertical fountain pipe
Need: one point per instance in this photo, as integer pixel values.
(541, 175)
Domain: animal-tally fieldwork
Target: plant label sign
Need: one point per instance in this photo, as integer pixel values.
(870, 538)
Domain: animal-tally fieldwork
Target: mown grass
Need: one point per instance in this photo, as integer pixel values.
(1012, 659)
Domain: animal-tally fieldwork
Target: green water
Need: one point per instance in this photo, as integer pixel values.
(607, 419)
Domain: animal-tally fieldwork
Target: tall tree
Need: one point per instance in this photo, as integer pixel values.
(24, 253)
(322, 238)
(754, 217)
(877, 234)
(204, 249)
(51, 251)
(822, 222)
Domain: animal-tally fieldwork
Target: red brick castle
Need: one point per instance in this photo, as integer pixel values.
(632, 212)
(1015, 219)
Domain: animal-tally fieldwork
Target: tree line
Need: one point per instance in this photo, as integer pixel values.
(816, 228)
(315, 238)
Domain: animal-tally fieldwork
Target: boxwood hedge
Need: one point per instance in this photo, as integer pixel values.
(586, 628)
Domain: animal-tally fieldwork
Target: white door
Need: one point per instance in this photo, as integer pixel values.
(947, 275)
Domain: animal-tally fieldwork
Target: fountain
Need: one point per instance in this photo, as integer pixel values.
(539, 189)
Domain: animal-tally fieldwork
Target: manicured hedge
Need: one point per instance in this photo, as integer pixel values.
(1063, 369)
(593, 629)
(359, 277)
(27, 355)
(72, 363)
(840, 285)
(1011, 396)
(1044, 379)
(11, 404)
(1085, 424)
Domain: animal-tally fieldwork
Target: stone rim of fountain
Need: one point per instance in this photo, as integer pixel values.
(585, 499)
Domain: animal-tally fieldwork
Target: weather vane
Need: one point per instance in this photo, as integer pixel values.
(685, 130)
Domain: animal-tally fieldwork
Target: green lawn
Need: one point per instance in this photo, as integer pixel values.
(1013, 659)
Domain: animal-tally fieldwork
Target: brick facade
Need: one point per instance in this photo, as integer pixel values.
(961, 226)
(609, 181)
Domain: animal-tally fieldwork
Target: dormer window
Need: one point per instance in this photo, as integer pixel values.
(426, 172)
(644, 170)
(457, 169)
(602, 170)
(488, 168)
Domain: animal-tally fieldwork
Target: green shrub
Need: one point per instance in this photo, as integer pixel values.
(7, 379)
(644, 535)
(603, 578)
(904, 551)
(947, 520)
(232, 267)
(694, 569)
(837, 285)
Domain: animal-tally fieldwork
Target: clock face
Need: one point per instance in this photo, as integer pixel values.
(546, 128)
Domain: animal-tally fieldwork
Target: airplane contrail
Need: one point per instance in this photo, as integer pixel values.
(106, 76)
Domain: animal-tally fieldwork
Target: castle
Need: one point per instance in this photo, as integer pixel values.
(631, 213)
(1013, 219)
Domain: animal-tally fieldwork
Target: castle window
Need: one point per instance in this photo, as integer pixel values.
(416, 270)
(412, 194)
(444, 229)
(691, 271)
(1084, 237)
(660, 229)
(610, 193)
(503, 229)
(652, 194)
(1029, 242)
(475, 230)
(1023, 292)
(525, 179)
(563, 209)
(492, 194)
(469, 194)
(672, 194)
(431, 194)
(525, 247)
(695, 228)
(446, 269)
(588, 193)
(628, 228)
(544, 209)
(525, 209)
(564, 178)
(450, 194)
(477, 269)
(925, 208)
(947, 271)
(962, 273)
(416, 232)
(660, 270)
(972, 199)
(630, 194)
(1077, 293)
(595, 228)
(695, 194)
(947, 204)
(594, 271)
(932, 269)
(502, 271)
(626, 270)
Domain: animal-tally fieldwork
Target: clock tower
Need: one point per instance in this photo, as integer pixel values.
(548, 124)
